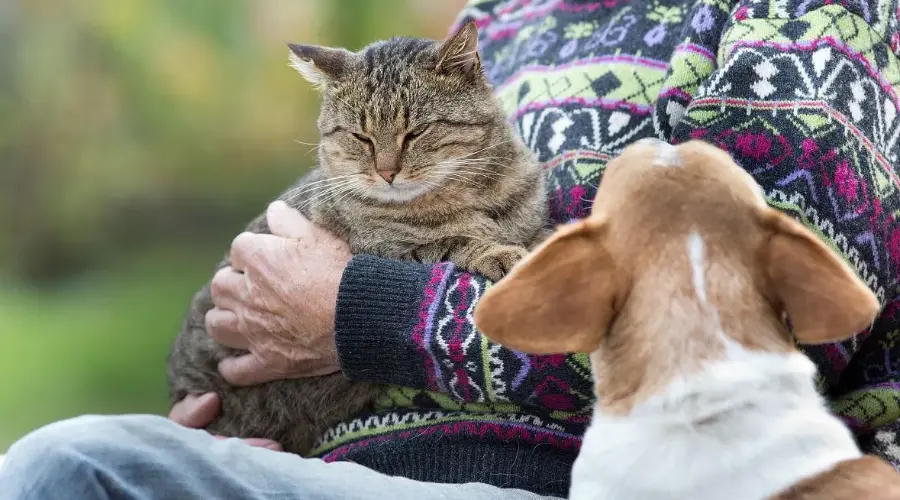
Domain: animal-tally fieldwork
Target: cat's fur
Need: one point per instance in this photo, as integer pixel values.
(465, 189)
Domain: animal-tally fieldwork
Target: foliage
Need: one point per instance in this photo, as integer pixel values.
(133, 134)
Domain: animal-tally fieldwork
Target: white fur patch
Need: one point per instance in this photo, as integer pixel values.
(742, 429)
(695, 252)
(398, 192)
(403, 189)
(666, 155)
(307, 69)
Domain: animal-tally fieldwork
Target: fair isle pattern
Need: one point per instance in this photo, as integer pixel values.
(424, 329)
(802, 93)
(469, 368)
(371, 429)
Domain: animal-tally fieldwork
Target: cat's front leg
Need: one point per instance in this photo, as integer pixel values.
(491, 261)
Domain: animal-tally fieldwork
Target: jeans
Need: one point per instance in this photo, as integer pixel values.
(143, 457)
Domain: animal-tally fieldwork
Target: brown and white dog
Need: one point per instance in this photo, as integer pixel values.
(679, 285)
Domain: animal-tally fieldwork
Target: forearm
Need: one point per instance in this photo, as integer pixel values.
(410, 324)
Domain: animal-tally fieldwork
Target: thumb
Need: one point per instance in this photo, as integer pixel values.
(245, 370)
(286, 222)
(196, 410)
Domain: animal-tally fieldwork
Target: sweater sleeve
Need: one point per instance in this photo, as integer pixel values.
(410, 324)
(802, 94)
(868, 395)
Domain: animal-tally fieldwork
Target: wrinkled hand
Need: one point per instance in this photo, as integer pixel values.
(278, 299)
(197, 411)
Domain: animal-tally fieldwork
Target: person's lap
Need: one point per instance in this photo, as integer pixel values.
(142, 457)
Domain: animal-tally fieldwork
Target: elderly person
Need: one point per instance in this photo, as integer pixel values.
(801, 93)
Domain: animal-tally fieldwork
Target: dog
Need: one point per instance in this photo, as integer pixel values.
(690, 294)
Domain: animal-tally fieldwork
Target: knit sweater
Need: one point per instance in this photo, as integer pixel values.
(802, 93)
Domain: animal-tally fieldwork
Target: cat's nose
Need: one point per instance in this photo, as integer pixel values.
(388, 175)
(386, 164)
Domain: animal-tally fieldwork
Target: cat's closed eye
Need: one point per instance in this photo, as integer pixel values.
(416, 132)
(361, 138)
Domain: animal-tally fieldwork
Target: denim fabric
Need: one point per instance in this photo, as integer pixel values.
(143, 457)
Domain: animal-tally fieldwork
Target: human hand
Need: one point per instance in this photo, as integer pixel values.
(198, 410)
(278, 299)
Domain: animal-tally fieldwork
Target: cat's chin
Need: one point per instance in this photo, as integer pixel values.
(397, 194)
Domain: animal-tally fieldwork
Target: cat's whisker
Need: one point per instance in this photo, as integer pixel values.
(335, 187)
(326, 191)
(462, 179)
(486, 148)
(471, 167)
(320, 184)
(314, 146)
(467, 170)
(479, 159)
(469, 176)
(470, 161)
(339, 197)
(476, 164)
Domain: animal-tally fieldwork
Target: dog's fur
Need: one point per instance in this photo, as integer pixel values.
(681, 284)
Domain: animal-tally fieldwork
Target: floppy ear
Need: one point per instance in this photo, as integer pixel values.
(460, 51)
(824, 299)
(559, 299)
(319, 65)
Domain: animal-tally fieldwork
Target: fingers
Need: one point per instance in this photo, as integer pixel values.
(195, 410)
(286, 222)
(228, 288)
(246, 370)
(253, 252)
(224, 327)
(243, 247)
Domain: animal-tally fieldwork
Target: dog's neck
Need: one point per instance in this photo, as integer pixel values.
(741, 428)
(699, 413)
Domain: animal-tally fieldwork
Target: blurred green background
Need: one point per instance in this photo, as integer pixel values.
(137, 137)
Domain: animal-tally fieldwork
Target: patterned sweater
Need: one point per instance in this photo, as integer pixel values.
(803, 93)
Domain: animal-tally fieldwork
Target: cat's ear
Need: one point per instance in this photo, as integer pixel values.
(459, 53)
(319, 65)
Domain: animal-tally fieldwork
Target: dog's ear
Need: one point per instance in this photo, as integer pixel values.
(559, 299)
(824, 299)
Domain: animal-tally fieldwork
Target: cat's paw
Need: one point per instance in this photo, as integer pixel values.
(497, 262)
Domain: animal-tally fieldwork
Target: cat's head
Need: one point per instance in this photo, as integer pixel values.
(405, 116)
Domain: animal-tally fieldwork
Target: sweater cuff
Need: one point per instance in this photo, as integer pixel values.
(377, 308)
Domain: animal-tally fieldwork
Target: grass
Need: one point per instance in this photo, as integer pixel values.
(99, 345)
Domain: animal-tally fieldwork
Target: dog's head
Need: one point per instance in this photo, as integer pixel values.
(680, 242)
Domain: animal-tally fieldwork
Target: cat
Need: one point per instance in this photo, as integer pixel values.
(416, 161)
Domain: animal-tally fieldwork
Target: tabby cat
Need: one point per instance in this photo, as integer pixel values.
(416, 161)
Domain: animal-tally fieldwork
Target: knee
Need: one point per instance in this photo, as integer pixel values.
(87, 441)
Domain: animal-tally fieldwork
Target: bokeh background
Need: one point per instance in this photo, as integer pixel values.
(137, 137)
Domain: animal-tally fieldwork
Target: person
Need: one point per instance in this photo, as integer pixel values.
(801, 93)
